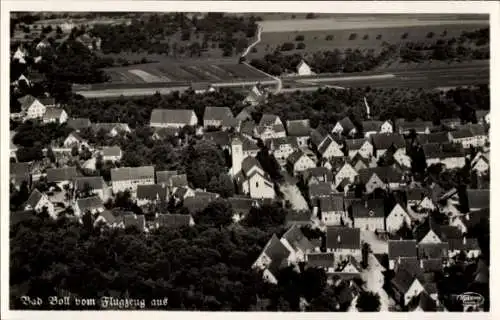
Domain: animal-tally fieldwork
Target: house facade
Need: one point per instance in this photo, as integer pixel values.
(128, 178)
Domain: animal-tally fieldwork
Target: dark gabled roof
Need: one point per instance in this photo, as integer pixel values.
(221, 138)
(372, 125)
(403, 280)
(382, 141)
(268, 120)
(417, 125)
(95, 183)
(355, 144)
(134, 220)
(343, 238)
(241, 204)
(436, 137)
(432, 265)
(461, 134)
(223, 114)
(248, 163)
(447, 232)
(173, 220)
(179, 180)
(443, 150)
(52, 113)
(464, 244)
(324, 146)
(402, 248)
(297, 240)
(89, 203)
(478, 198)
(247, 127)
(386, 174)
(110, 217)
(319, 172)
(433, 250)
(371, 208)
(249, 144)
(298, 128)
(295, 156)
(196, 204)
(346, 124)
(332, 203)
(321, 260)
(318, 135)
(61, 174)
(164, 176)
(151, 192)
(277, 142)
(320, 189)
(34, 198)
(275, 249)
(171, 116)
(132, 173)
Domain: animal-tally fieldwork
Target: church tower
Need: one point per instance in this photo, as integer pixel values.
(236, 155)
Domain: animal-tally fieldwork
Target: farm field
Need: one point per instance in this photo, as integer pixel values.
(196, 71)
(365, 38)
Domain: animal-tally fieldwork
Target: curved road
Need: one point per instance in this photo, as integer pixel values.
(259, 32)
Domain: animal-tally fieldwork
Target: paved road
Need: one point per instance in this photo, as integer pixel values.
(422, 78)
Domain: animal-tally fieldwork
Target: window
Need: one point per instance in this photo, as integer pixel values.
(256, 184)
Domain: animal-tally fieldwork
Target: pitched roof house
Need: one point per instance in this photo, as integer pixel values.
(61, 175)
(343, 240)
(54, 114)
(368, 214)
(219, 117)
(128, 178)
(344, 126)
(92, 204)
(176, 118)
(383, 141)
(78, 123)
(150, 193)
(298, 162)
(274, 256)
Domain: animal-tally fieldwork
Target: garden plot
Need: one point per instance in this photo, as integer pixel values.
(147, 77)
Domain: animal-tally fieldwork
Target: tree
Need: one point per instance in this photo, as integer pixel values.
(222, 185)
(301, 46)
(353, 36)
(218, 213)
(50, 155)
(404, 35)
(368, 302)
(430, 35)
(265, 217)
(74, 151)
(287, 46)
(299, 38)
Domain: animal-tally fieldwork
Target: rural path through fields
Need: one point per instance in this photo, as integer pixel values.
(259, 33)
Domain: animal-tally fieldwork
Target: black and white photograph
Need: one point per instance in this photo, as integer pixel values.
(222, 160)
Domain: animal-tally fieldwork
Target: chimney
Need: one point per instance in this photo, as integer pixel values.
(338, 238)
(421, 264)
(464, 241)
(399, 260)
